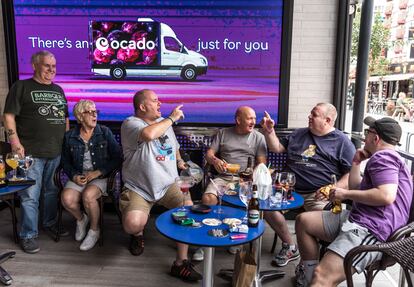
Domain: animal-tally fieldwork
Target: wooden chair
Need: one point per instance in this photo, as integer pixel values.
(60, 178)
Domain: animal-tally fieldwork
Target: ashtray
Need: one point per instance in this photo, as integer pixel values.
(211, 221)
(218, 232)
(231, 221)
(200, 208)
(231, 192)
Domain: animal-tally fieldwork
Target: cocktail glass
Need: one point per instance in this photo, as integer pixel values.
(245, 194)
(25, 163)
(12, 160)
(221, 190)
(184, 183)
(233, 168)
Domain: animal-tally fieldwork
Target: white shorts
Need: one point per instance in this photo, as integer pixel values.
(220, 181)
(99, 182)
(346, 235)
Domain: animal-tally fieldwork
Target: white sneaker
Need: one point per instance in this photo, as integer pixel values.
(81, 227)
(90, 240)
(198, 255)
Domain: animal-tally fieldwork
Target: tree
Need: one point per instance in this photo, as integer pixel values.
(378, 64)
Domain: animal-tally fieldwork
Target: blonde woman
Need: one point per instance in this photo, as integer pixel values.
(90, 153)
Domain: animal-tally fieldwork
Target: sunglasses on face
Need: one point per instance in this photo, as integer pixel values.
(91, 112)
(367, 131)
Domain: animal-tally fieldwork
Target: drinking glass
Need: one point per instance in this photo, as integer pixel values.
(337, 205)
(184, 183)
(221, 189)
(281, 183)
(291, 180)
(245, 194)
(12, 160)
(233, 168)
(28, 161)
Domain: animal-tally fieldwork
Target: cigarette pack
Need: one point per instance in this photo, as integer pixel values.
(242, 228)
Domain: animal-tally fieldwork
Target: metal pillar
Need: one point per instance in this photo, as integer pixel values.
(362, 67)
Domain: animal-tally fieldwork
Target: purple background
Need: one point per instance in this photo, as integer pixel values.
(234, 78)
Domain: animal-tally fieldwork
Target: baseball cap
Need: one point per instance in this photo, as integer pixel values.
(388, 129)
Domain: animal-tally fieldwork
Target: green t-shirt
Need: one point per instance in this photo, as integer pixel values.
(41, 112)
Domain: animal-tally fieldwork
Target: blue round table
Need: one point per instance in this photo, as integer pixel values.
(7, 194)
(199, 236)
(295, 202)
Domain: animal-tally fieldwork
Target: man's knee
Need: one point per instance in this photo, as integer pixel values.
(319, 276)
(134, 221)
(209, 199)
(324, 277)
(300, 221)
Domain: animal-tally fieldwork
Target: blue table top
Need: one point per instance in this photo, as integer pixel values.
(199, 236)
(294, 203)
(9, 189)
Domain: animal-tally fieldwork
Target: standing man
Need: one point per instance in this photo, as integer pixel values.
(151, 156)
(314, 154)
(36, 117)
(381, 205)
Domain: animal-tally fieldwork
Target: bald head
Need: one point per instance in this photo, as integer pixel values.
(140, 97)
(147, 105)
(329, 111)
(243, 110)
(245, 119)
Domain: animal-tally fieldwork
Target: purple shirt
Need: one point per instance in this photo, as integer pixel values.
(385, 167)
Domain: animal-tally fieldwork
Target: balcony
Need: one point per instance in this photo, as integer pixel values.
(400, 32)
(398, 49)
(388, 9)
(402, 16)
(403, 4)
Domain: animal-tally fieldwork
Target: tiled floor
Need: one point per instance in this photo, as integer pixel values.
(62, 264)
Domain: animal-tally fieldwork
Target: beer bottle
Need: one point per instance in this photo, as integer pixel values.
(253, 208)
(247, 174)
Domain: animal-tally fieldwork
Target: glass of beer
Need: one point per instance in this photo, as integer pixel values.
(12, 160)
(337, 206)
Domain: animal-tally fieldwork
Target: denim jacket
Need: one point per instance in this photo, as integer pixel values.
(105, 151)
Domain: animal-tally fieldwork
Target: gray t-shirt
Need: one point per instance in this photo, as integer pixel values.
(149, 168)
(236, 148)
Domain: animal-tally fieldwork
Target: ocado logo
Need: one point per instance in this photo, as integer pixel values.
(102, 44)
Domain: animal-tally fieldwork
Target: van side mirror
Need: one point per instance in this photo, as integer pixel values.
(183, 50)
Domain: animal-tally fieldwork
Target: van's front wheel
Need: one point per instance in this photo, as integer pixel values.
(189, 73)
(118, 73)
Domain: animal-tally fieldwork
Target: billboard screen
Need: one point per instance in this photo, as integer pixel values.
(210, 56)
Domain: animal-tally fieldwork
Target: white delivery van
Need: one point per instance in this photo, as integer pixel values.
(146, 47)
